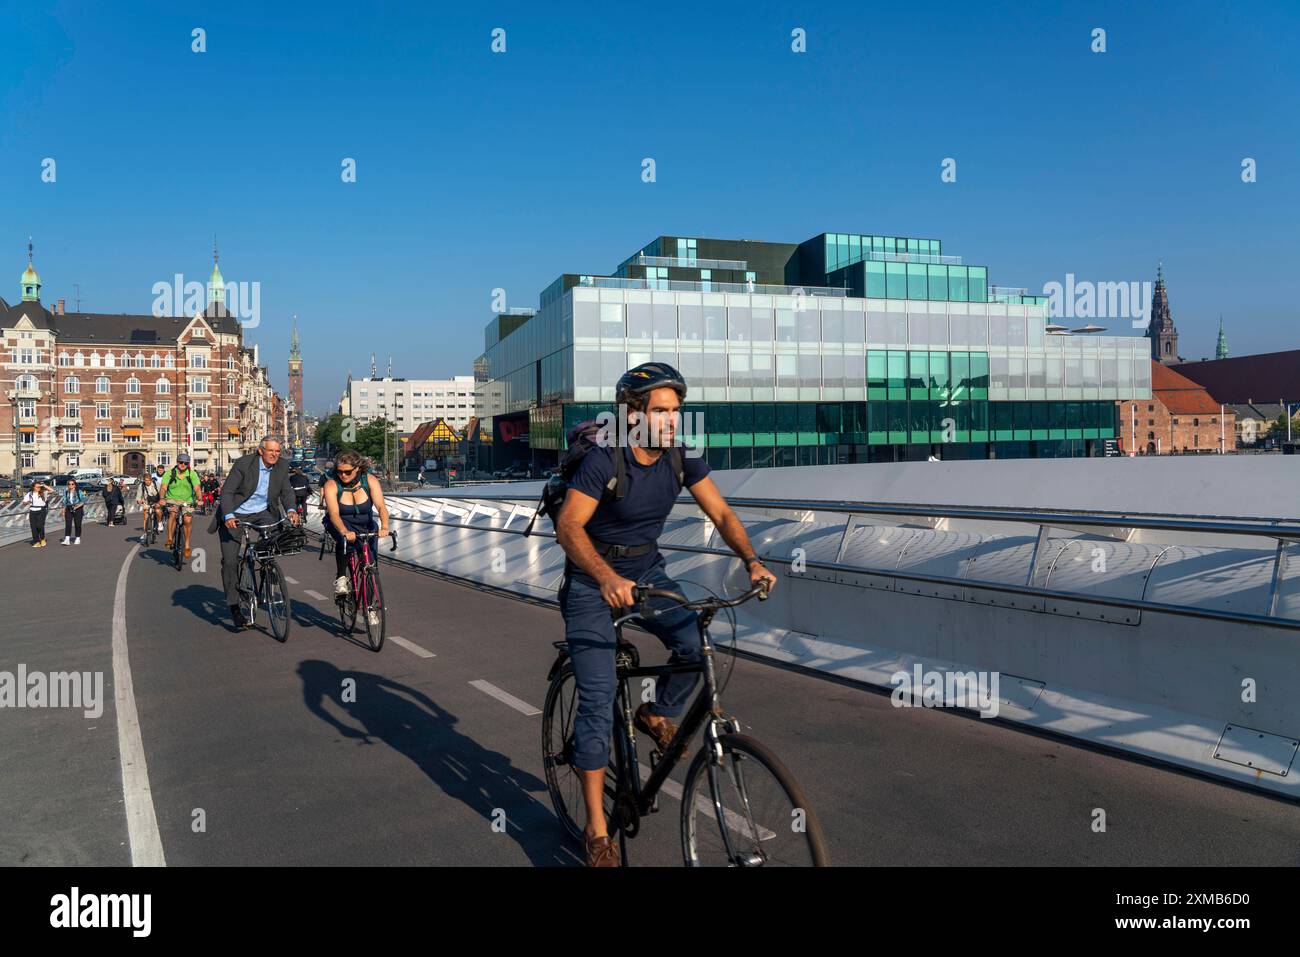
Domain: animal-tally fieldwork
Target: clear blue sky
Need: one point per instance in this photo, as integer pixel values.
(479, 170)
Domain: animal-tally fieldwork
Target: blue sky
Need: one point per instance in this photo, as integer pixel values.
(478, 170)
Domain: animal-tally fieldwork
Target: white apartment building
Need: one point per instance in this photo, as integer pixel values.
(408, 402)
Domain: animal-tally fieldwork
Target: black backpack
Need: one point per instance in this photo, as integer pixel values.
(582, 438)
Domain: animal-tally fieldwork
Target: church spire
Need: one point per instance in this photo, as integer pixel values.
(1221, 347)
(31, 281)
(1161, 330)
(216, 284)
(295, 350)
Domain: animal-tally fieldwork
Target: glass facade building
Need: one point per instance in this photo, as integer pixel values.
(790, 364)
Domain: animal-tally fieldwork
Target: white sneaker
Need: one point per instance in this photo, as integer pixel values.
(65, 541)
(374, 618)
(77, 540)
(341, 585)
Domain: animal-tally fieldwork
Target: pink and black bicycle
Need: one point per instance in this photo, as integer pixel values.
(364, 596)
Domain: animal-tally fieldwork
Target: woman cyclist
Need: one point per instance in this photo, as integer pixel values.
(352, 500)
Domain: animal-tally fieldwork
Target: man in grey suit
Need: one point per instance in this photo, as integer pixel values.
(257, 490)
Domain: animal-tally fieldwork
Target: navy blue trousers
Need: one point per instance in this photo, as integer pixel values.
(589, 631)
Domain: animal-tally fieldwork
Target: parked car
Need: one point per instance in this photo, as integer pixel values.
(32, 477)
(519, 470)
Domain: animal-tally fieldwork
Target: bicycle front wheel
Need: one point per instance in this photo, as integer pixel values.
(275, 597)
(761, 817)
(372, 605)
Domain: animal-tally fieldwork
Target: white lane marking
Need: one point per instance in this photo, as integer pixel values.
(291, 581)
(412, 647)
(523, 707)
(704, 806)
(314, 594)
(141, 820)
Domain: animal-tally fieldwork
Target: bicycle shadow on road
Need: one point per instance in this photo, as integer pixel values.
(411, 723)
(205, 602)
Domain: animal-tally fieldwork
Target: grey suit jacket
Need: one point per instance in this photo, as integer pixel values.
(241, 483)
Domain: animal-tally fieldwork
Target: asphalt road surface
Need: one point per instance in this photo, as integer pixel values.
(251, 755)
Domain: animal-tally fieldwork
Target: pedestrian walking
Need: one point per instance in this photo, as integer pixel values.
(37, 503)
(74, 508)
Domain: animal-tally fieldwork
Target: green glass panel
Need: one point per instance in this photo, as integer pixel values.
(896, 280)
(875, 280)
(916, 282)
(742, 439)
(805, 438)
(938, 281)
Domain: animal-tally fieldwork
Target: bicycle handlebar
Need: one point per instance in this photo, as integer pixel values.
(643, 592)
(361, 536)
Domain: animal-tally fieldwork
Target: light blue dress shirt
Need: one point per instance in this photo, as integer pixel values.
(257, 502)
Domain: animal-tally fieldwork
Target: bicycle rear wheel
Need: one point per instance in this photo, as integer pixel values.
(766, 816)
(275, 596)
(178, 546)
(563, 778)
(372, 604)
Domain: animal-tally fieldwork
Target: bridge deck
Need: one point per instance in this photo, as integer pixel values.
(253, 733)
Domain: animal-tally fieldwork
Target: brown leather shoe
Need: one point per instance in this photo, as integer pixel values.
(661, 735)
(601, 851)
(169, 544)
(187, 551)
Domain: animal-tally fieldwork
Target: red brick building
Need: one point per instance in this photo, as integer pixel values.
(119, 392)
(1180, 417)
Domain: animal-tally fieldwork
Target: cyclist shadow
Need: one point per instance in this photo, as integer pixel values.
(411, 723)
(205, 602)
(308, 615)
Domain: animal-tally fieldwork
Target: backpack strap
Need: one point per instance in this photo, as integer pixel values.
(678, 466)
(618, 484)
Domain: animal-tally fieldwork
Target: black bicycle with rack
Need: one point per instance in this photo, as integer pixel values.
(740, 806)
(261, 582)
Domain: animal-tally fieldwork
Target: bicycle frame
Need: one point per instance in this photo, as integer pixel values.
(359, 558)
(704, 710)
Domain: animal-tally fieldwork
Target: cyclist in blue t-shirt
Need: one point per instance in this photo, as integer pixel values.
(610, 544)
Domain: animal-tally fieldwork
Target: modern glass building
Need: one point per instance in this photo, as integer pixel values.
(843, 348)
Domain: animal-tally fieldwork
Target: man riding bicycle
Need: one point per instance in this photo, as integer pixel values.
(610, 546)
(180, 493)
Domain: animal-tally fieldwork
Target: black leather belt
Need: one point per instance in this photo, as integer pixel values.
(608, 550)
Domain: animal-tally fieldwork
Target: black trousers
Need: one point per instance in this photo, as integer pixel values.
(230, 552)
(37, 517)
(71, 520)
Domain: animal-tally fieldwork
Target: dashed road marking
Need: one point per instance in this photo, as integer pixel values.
(314, 594)
(412, 647)
(523, 707)
(291, 581)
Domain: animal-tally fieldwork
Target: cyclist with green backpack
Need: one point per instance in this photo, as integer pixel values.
(180, 493)
(612, 513)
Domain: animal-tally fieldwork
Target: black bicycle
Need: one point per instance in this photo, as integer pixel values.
(178, 537)
(364, 593)
(150, 525)
(740, 806)
(261, 582)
